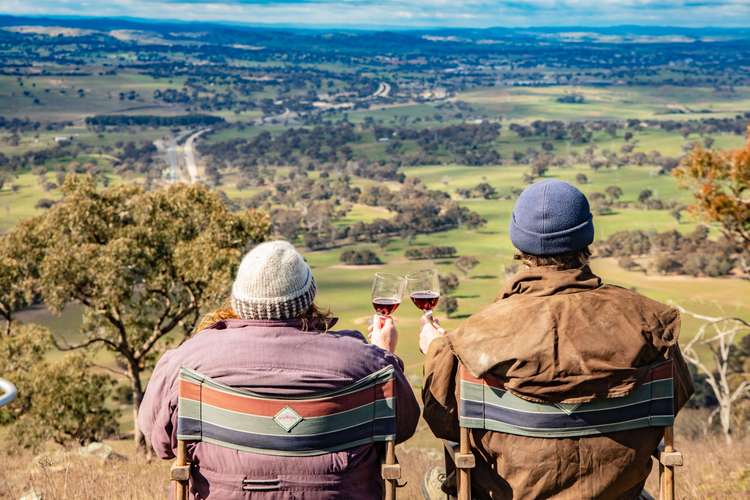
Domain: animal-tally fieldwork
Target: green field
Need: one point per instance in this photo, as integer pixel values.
(611, 102)
(58, 97)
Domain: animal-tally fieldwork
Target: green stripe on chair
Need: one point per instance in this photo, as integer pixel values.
(267, 426)
(660, 389)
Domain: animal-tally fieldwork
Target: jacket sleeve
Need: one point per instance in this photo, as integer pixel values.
(683, 379)
(439, 391)
(666, 341)
(157, 415)
(407, 407)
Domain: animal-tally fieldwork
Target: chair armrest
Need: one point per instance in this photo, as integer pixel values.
(462, 460)
(180, 472)
(667, 458)
(390, 472)
(670, 458)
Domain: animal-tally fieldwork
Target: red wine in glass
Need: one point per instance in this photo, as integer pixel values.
(387, 290)
(425, 300)
(385, 306)
(424, 289)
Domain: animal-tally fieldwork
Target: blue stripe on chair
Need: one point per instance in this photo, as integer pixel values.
(473, 409)
(382, 427)
(334, 440)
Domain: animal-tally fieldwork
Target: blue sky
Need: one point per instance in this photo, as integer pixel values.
(408, 13)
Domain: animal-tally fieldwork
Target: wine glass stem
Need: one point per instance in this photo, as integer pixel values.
(430, 317)
(381, 319)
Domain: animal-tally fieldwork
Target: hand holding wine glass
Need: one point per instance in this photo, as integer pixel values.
(383, 335)
(387, 291)
(431, 330)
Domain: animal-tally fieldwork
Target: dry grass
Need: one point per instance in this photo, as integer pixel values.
(712, 469)
(58, 476)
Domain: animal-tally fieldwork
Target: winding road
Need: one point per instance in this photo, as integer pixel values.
(181, 159)
(189, 151)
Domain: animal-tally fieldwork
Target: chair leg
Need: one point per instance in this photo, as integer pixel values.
(668, 459)
(390, 471)
(180, 472)
(464, 461)
(661, 481)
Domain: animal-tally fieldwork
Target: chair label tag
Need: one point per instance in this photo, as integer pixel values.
(568, 408)
(287, 418)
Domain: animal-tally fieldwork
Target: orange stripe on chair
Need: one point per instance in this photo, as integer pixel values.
(270, 407)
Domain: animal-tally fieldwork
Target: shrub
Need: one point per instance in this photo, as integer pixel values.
(708, 264)
(628, 263)
(667, 264)
(625, 244)
(360, 257)
(448, 304)
(448, 283)
(466, 263)
(430, 253)
(62, 401)
(68, 405)
(45, 203)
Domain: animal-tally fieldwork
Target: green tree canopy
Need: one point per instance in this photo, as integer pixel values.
(144, 264)
(20, 253)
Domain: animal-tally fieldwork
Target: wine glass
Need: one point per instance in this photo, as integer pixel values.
(424, 289)
(387, 291)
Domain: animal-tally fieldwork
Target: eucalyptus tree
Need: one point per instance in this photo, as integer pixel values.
(144, 265)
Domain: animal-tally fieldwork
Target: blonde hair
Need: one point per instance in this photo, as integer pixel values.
(313, 318)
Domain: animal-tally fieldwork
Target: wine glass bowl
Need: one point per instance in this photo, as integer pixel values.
(424, 289)
(387, 291)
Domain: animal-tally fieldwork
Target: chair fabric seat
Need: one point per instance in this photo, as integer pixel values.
(357, 414)
(485, 404)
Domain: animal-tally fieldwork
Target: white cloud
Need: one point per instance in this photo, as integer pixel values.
(416, 13)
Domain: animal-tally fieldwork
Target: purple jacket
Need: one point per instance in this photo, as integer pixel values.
(275, 358)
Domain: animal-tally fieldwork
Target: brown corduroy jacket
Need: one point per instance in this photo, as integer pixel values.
(557, 336)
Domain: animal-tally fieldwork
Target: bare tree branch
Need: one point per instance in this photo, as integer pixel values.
(712, 319)
(720, 339)
(68, 347)
(119, 373)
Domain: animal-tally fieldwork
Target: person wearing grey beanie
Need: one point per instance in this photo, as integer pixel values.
(274, 340)
(273, 282)
(556, 338)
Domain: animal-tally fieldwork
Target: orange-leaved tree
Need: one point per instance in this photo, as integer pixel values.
(720, 181)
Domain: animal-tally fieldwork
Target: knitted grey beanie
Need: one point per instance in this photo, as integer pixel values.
(273, 282)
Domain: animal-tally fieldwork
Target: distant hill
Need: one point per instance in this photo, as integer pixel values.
(609, 34)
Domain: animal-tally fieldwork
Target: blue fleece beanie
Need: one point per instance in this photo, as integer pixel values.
(551, 217)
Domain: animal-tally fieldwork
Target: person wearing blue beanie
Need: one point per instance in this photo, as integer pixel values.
(551, 218)
(572, 359)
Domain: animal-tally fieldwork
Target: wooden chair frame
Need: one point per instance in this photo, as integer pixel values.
(180, 471)
(668, 459)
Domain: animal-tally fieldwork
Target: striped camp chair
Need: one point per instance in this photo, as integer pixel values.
(485, 404)
(360, 413)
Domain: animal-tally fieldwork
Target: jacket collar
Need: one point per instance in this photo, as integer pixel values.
(544, 281)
